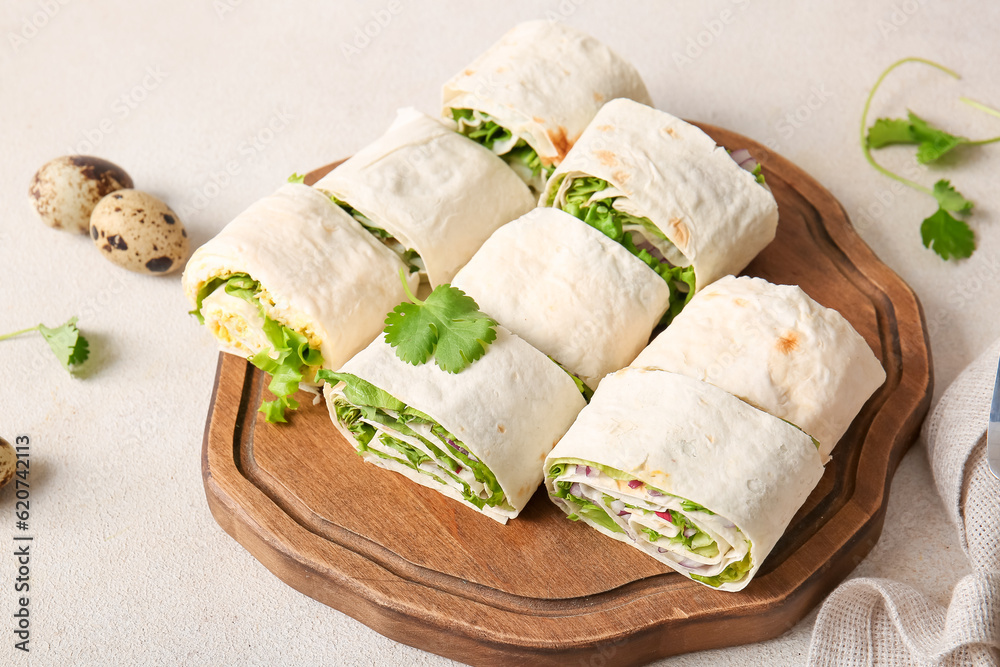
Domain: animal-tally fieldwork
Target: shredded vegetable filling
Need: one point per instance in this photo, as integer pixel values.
(691, 537)
(385, 427)
(516, 152)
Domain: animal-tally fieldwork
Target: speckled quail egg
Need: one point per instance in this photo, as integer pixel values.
(137, 231)
(8, 462)
(65, 191)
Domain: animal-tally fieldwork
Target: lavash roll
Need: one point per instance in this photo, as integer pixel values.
(714, 213)
(507, 409)
(544, 82)
(322, 275)
(719, 472)
(775, 348)
(567, 289)
(433, 190)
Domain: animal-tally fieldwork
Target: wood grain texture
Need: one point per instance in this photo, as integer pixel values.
(428, 572)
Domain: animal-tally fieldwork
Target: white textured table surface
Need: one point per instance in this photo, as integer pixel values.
(128, 566)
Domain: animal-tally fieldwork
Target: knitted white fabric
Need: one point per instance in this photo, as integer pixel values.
(869, 621)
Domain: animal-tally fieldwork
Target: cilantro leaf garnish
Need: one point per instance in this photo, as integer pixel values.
(66, 341)
(447, 325)
(889, 131)
(949, 198)
(946, 235)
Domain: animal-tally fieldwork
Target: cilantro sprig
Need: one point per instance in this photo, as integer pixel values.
(448, 325)
(66, 341)
(942, 232)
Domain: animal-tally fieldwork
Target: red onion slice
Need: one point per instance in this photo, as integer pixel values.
(743, 158)
(618, 507)
(690, 532)
(635, 484)
(576, 490)
(666, 516)
(654, 492)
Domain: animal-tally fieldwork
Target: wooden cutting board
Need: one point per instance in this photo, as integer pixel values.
(428, 572)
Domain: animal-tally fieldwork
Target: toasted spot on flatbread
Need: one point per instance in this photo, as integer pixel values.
(787, 343)
(560, 141)
(501, 428)
(621, 177)
(469, 72)
(681, 234)
(598, 97)
(605, 128)
(740, 301)
(607, 158)
(671, 132)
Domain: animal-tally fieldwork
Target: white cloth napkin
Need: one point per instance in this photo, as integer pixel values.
(870, 621)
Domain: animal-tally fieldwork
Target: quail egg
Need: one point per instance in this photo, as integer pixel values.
(138, 232)
(65, 190)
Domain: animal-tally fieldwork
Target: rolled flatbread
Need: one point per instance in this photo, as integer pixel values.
(681, 197)
(530, 96)
(567, 289)
(775, 348)
(430, 194)
(684, 472)
(316, 272)
(478, 436)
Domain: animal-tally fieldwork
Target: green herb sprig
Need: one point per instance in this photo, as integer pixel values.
(448, 325)
(942, 232)
(66, 341)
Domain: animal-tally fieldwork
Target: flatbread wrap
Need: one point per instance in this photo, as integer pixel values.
(569, 290)
(685, 472)
(775, 348)
(294, 284)
(430, 194)
(530, 96)
(478, 436)
(667, 186)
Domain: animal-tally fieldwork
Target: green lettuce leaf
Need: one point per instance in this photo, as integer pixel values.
(488, 133)
(590, 510)
(602, 215)
(363, 400)
(290, 357)
(735, 572)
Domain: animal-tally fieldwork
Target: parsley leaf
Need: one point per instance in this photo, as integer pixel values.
(947, 236)
(66, 341)
(448, 325)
